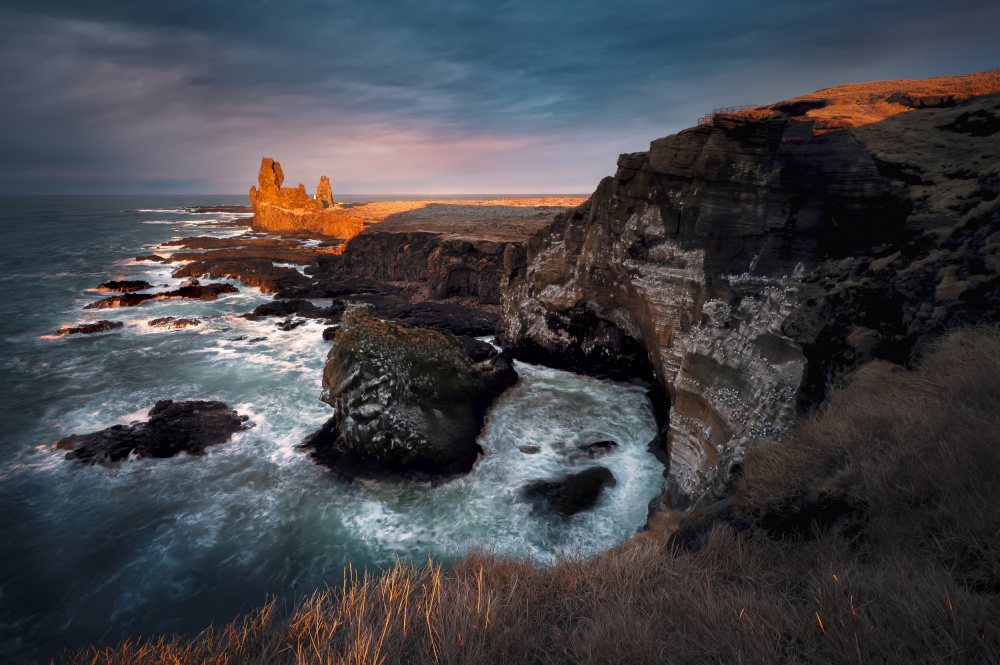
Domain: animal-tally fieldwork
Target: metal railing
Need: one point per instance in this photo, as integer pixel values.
(727, 109)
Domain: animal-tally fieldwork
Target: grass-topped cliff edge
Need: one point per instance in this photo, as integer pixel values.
(907, 572)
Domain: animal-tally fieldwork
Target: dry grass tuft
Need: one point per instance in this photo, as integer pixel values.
(910, 577)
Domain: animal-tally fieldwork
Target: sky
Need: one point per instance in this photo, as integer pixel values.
(389, 96)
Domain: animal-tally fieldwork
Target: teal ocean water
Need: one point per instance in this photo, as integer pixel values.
(153, 546)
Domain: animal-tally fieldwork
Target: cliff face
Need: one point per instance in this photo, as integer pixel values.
(748, 262)
(448, 249)
(284, 209)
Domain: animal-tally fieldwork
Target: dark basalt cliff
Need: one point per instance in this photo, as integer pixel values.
(748, 263)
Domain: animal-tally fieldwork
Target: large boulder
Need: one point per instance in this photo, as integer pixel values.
(409, 401)
(572, 494)
(171, 428)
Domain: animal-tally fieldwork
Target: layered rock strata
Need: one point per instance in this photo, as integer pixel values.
(746, 263)
(407, 401)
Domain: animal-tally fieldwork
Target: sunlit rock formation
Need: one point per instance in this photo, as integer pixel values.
(750, 261)
(290, 209)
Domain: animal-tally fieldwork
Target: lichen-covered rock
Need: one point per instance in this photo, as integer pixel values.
(172, 427)
(407, 400)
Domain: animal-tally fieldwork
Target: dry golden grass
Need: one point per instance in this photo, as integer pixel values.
(860, 104)
(913, 578)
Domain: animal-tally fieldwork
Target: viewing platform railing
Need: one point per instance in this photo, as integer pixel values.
(728, 109)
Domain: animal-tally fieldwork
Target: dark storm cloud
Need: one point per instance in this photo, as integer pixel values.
(408, 96)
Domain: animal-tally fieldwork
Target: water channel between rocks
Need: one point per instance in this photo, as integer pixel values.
(171, 545)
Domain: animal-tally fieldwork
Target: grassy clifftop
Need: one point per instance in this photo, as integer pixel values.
(907, 572)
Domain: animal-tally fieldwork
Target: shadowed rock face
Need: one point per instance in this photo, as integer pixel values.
(748, 262)
(172, 427)
(407, 400)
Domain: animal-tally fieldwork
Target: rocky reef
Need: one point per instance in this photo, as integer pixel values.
(408, 401)
(283, 209)
(172, 427)
(746, 264)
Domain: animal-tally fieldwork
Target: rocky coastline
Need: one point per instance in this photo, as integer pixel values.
(741, 268)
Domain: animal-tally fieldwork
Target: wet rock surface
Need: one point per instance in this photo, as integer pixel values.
(259, 272)
(124, 286)
(572, 494)
(98, 326)
(589, 451)
(172, 427)
(193, 292)
(408, 401)
(173, 322)
(126, 300)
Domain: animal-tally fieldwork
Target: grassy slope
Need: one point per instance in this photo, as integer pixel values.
(911, 575)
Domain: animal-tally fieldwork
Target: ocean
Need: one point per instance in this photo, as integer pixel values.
(95, 554)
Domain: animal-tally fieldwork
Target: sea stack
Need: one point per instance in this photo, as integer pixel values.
(290, 209)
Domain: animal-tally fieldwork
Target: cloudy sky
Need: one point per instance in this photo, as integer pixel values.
(440, 96)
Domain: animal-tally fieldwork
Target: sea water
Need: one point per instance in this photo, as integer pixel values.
(94, 553)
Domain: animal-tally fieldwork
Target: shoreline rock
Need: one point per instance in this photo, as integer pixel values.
(87, 328)
(125, 286)
(191, 292)
(172, 427)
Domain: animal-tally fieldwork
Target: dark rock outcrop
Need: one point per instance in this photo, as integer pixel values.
(588, 451)
(258, 272)
(747, 263)
(294, 307)
(173, 322)
(125, 286)
(172, 427)
(407, 400)
(572, 494)
(126, 300)
(192, 292)
(98, 326)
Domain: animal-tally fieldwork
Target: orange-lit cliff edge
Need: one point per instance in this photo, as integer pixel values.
(289, 210)
(858, 104)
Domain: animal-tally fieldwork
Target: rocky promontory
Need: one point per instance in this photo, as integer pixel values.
(747, 263)
(408, 401)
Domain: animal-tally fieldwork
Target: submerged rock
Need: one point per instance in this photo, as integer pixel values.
(572, 494)
(172, 427)
(125, 286)
(99, 326)
(588, 451)
(408, 400)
